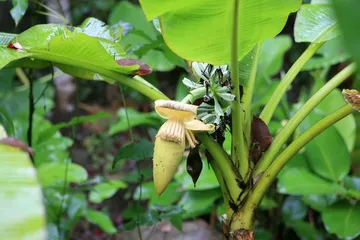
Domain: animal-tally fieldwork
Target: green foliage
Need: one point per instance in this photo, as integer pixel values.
(315, 23)
(317, 187)
(347, 15)
(18, 178)
(208, 35)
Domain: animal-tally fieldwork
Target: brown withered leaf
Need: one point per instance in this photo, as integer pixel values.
(352, 96)
(14, 142)
(194, 164)
(143, 68)
(260, 138)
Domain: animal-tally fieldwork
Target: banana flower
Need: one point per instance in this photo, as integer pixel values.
(173, 136)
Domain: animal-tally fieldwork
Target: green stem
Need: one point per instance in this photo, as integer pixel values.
(224, 164)
(299, 116)
(137, 83)
(239, 151)
(271, 105)
(226, 196)
(270, 174)
(194, 95)
(248, 94)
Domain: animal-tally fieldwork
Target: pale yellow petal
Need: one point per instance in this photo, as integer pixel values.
(197, 125)
(3, 133)
(172, 109)
(167, 157)
(172, 130)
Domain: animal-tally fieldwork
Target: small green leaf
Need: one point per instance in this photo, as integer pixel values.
(105, 190)
(74, 121)
(135, 151)
(148, 192)
(18, 10)
(102, 220)
(55, 173)
(137, 119)
(315, 23)
(300, 181)
(342, 219)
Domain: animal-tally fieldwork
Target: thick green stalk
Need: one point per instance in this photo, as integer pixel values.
(194, 95)
(137, 83)
(248, 94)
(239, 151)
(271, 105)
(223, 163)
(254, 199)
(299, 116)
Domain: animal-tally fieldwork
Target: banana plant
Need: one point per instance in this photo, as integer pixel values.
(222, 42)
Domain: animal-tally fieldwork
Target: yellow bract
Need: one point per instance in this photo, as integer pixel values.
(173, 136)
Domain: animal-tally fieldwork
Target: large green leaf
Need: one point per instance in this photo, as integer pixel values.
(74, 52)
(22, 210)
(302, 182)
(315, 23)
(347, 13)
(343, 219)
(201, 30)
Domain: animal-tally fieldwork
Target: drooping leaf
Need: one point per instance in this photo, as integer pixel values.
(342, 219)
(21, 201)
(300, 181)
(315, 23)
(135, 151)
(208, 25)
(18, 10)
(102, 220)
(194, 164)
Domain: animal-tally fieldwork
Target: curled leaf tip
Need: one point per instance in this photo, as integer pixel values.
(144, 69)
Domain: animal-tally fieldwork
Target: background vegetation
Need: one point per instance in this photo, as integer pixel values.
(96, 183)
